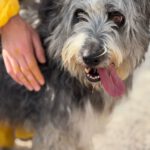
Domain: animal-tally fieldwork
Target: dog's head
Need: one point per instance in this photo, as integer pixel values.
(101, 41)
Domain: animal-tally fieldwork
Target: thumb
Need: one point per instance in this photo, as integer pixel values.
(39, 51)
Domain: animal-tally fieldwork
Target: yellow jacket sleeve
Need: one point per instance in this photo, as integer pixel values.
(8, 9)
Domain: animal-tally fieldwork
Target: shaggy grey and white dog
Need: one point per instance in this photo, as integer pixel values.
(92, 48)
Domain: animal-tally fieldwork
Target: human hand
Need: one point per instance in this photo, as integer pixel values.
(21, 47)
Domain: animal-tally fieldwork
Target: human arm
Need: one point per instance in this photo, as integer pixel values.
(21, 48)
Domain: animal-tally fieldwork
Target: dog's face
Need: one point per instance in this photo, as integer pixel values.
(103, 40)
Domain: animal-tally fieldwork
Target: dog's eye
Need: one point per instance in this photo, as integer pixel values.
(117, 18)
(79, 15)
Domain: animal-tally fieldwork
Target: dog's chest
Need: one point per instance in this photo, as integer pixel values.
(60, 103)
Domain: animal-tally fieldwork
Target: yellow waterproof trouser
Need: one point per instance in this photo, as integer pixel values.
(8, 134)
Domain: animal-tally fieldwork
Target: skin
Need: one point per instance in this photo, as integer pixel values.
(21, 49)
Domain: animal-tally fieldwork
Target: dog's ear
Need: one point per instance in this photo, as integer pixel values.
(50, 15)
(50, 11)
(52, 24)
(49, 8)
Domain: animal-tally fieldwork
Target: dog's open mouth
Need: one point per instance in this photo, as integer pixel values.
(92, 74)
(109, 79)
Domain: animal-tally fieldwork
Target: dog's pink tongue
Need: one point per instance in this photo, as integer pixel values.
(111, 82)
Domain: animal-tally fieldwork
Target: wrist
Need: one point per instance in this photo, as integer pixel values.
(12, 21)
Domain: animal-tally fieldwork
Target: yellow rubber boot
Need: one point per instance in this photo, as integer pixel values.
(7, 137)
(23, 133)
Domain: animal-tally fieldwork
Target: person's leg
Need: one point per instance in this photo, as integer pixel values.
(7, 136)
(23, 133)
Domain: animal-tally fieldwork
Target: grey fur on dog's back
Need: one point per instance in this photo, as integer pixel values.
(59, 110)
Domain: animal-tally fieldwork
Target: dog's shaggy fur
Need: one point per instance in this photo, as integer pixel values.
(73, 31)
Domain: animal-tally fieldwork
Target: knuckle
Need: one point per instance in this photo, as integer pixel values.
(30, 78)
(33, 66)
(26, 70)
(28, 75)
(19, 75)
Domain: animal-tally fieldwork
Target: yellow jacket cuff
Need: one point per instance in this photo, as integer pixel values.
(9, 8)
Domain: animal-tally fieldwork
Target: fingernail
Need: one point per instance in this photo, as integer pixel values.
(42, 81)
(37, 88)
(30, 88)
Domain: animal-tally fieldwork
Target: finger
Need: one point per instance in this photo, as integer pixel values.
(21, 77)
(10, 70)
(39, 51)
(18, 74)
(33, 66)
(28, 74)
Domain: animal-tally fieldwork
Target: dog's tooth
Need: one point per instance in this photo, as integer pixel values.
(91, 77)
(87, 70)
(88, 75)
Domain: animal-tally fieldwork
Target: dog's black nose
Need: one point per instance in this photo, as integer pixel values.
(91, 60)
(93, 52)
